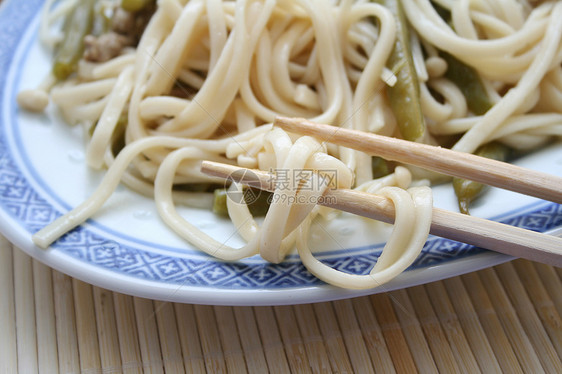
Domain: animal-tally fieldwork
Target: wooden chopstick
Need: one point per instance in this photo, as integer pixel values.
(472, 230)
(442, 160)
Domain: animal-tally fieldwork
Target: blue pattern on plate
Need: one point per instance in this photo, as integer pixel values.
(21, 201)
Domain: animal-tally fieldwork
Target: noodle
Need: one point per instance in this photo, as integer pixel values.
(208, 77)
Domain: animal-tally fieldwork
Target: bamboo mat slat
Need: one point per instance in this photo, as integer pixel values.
(26, 333)
(230, 340)
(106, 323)
(313, 343)
(47, 350)
(353, 338)
(86, 327)
(551, 283)
(452, 328)
(292, 339)
(501, 319)
(250, 339)
(65, 318)
(149, 341)
(8, 345)
(168, 337)
(433, 332)
(189, 339)
(271, 340)
(393, 333)
(372, 334)
(501, 345)
(332, 337)
(543, 305)
(471, 326)
(210, 339)
(129, 346)
(511, 324)
(412, 331)
(527, 315)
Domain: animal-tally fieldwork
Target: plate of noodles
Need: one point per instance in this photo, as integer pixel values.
(108, 108)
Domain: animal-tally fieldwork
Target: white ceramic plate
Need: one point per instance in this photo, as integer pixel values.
(126, 248)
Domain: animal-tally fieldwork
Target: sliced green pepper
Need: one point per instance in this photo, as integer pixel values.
(77, 25)
(467, 191)
(404, 96)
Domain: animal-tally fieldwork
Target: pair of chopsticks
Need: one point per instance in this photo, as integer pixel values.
(472, 230)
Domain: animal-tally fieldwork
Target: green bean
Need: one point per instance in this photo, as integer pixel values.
(468, 191)
(468, 81)
(463, 76)
(404, 96)
(134, 5)
(77, 25)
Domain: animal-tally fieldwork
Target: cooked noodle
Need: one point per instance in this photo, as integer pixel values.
(208, 77)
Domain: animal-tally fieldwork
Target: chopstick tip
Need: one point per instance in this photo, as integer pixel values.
(216, 169)
(287, 123)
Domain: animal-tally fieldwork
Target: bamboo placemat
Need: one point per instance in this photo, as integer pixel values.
(505, 318)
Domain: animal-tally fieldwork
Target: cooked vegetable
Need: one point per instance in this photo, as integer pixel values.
(219, 203)
(77, 25)
(469, 82)
(404, 96)
(102, 21)
(463, 76)
(258, 201)
(135, 5)
(467, 191)
(380, 167)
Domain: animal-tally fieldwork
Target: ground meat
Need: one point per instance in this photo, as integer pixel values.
(123, 22)
(126, 31)
(104, 47)
(141, 19)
